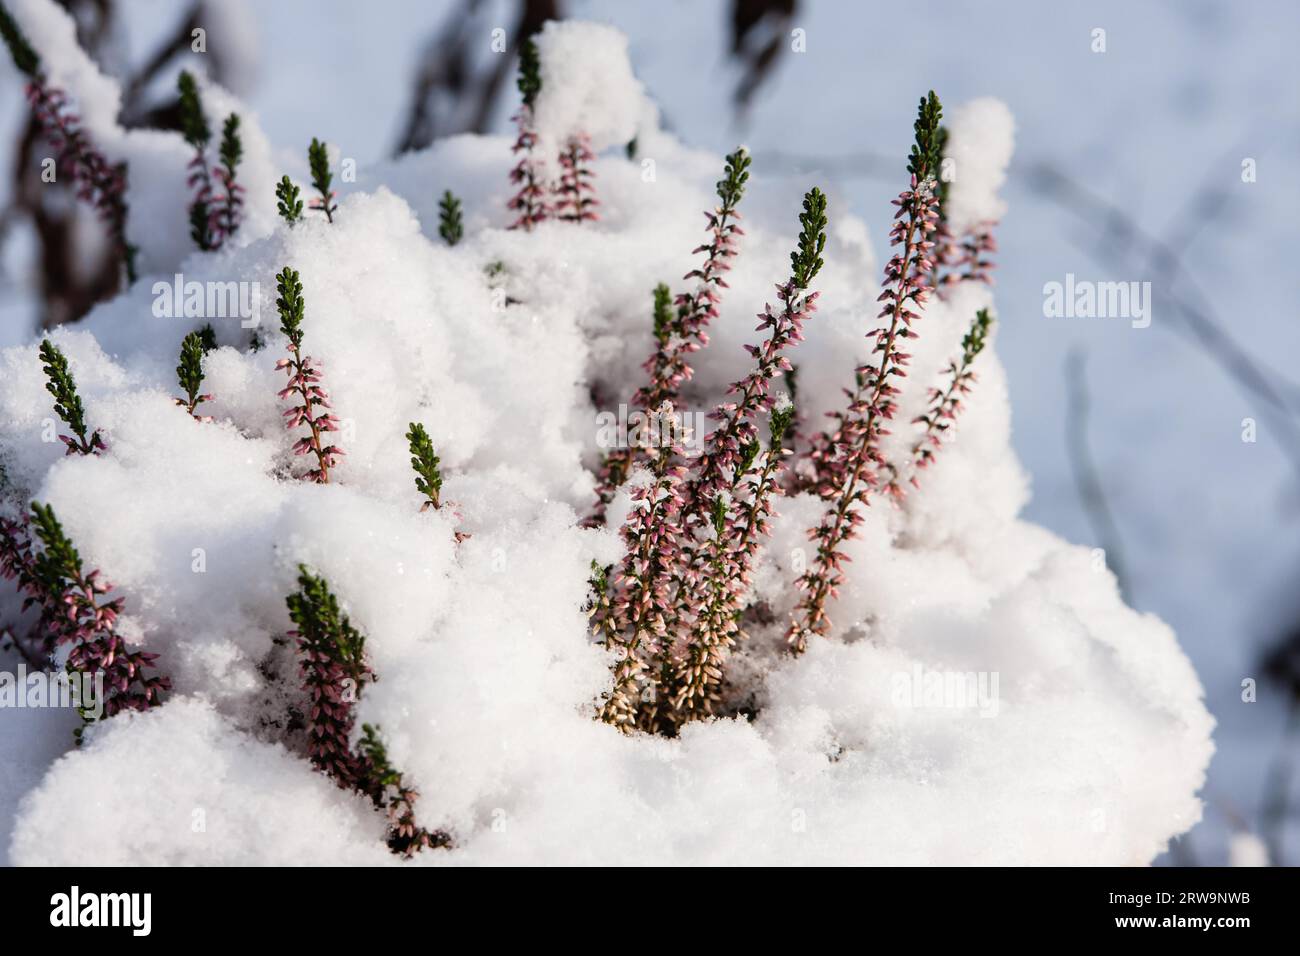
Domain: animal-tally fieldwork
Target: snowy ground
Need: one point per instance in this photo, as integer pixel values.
(1182, 94)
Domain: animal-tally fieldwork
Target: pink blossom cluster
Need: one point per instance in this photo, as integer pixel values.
(667, 367)
(851, 455)
(73, 613)
(532, 200)
(98, 182)
(304, 386)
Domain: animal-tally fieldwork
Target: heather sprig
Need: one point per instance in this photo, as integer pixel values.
(575, 193)
(195, 130)
(946, 403)
(190, 375)
(666, 610)
(304, 382)
(321, 179)
(75, 611)
(424, 462)
(288, 200)
(388, 789)
(67, 403)
(333, 667)
(529, 79)
(852, 453)
(679, 336)
(530, 201)
(230, 205)
(99, 183)
(715, 471)
(25, 58)
(450, 226)
(641, 629)
(729, 554)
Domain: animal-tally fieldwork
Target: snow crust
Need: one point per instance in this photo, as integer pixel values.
(1091, 749)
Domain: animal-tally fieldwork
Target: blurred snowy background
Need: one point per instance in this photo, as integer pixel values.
(1129, 167)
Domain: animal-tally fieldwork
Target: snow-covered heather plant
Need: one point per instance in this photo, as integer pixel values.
(450, 226)
(688, 554)
(946, 403)
(678, 336)
(195, 129)
(642, 628)
(714, 574)
(495, 653)
(849, 470)
(530, 202)
(76, 612)
(405, 836)
(288, 200)
(190, 375)
(230, 204)
(304, 386)
(575, 193)
(332, 663)
(67, 403)
(322, 179)
(424, 462)
(99, 183)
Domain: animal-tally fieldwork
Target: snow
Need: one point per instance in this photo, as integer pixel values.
(1093, 750)
(981, 136)
(587, 85)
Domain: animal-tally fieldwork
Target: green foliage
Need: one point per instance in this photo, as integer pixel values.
(232, 147)
(67, 403)
(194, 126)
(748, 455)
(59, 562)
(25, 57)
(291, 305)
(530, 72)
(806, 261)
(779, 424)
(323, 627)
(927, 150)
(719, 516)
(321, 178)
(428, 477)
(288, 199)
(190, 371)
(449, 221)
(665, 318)
(207, 338)
(201, 224)
(375, 753)
(976, 336)
(732, 187)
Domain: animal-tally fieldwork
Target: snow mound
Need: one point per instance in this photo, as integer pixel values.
(986, 696)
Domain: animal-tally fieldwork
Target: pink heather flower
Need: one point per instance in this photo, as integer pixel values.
(73, 612)
(575, 193)
(677, 337)
(304, 386)
(850, 456)
(98, 182)
(946, 404)
(530, 201)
